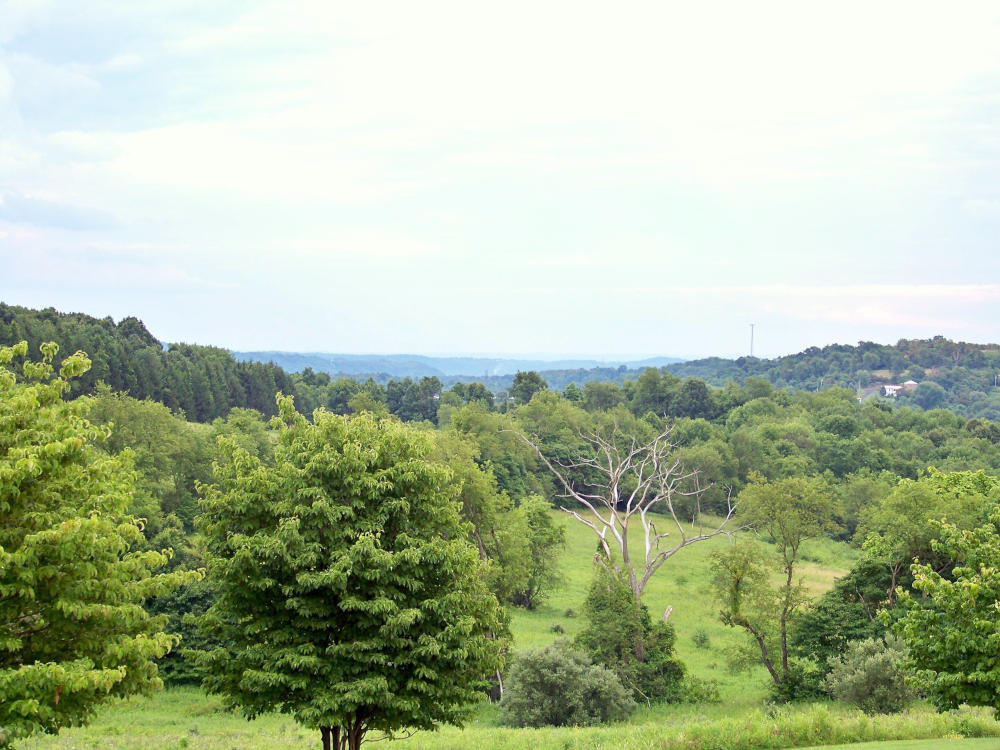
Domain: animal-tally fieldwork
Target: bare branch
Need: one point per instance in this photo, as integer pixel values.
(636, 481)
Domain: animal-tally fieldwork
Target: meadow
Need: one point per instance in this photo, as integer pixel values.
(185, 718)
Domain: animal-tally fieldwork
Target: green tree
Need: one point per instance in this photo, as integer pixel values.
(952, 629)
(599, 396)
(349, 596)
(546, 540)
(526, 385)
(621, 636)
(788, 512)
(73, 632)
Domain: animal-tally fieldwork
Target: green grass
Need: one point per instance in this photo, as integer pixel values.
(184, 718)
(988, 743)
(683, 582)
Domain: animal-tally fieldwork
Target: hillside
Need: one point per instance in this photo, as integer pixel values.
(206, 382)
(956, 375)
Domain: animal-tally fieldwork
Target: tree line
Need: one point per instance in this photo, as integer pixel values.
(206, 382)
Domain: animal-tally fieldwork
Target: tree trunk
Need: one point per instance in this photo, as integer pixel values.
(355, 736)
(759, 637)
(325, 732)
(784, 620)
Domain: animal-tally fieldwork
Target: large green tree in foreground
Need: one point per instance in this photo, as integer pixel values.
(72, 628)
(953, 629)
(349, 596)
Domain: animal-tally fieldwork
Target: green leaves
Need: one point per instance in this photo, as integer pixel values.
(348, 596)
(72, 631)
(953, 630)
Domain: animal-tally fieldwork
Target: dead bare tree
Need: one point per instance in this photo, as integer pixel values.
(636, 482)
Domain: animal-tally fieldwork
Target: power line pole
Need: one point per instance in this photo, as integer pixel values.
(751, 339)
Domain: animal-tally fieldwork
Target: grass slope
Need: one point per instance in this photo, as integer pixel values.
(184, 718)
(684, 583)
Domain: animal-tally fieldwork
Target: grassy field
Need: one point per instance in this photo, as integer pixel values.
(683, 583)
(184, 718)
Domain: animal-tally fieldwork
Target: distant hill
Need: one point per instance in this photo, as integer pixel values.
(418, 366)
(954, 375)
(206, 382)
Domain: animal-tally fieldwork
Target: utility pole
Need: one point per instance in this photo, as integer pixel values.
(751, 339)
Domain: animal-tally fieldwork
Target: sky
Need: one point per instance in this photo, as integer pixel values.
(548, 178)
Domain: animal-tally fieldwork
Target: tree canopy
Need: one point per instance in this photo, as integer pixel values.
(72, 577)
(953, 629)
(349, 596)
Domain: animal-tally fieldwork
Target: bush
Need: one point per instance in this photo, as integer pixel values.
(559, 686)
(698, 690)
(701, 639)
(871, 676)
(803, 681)
(621, 636)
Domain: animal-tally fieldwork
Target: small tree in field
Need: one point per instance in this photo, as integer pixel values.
(349, 596)
(73, 632)
(789, 511)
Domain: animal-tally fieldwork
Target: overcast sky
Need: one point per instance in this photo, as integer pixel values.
(608, 178)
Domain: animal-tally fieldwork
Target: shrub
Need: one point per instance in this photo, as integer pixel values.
(871, 676)
(803, 681)
(620, 635)
(701, 639)
(559, 686)
(698, 690)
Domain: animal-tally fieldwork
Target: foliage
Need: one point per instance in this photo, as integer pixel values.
(872, 676)
(499, 533)
(348, 596)
(789, 512)
(202, 381)
(526, 385)
(546, 541)
(845, 613)
(621, 636)
(73, 574)
(559, 686)
(953, 628)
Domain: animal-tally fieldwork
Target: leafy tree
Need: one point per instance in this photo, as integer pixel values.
(899, 529)
(559, 686)
(952, 629)
(73, 632)
(621, 636)
(789, 512)
(526, 385)
(348, 594)
(844, 614)
(546, 540)
(498, 532)
(601, 396)
(573, 393)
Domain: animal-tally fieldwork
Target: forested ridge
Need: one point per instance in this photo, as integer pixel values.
(206, 382)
